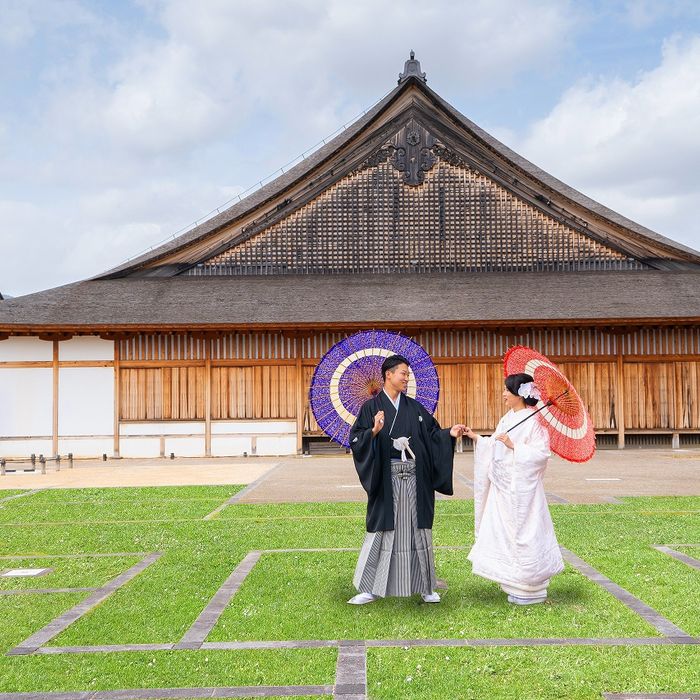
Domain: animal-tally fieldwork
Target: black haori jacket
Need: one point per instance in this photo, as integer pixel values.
(432, 446)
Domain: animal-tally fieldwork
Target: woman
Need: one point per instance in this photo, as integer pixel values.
(515, 541)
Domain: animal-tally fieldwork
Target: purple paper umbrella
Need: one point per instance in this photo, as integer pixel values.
(351, 372)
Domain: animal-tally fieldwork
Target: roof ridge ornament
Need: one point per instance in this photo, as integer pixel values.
(412, 69)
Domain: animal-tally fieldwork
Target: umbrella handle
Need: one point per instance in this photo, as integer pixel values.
(549, 403)
(541, 408)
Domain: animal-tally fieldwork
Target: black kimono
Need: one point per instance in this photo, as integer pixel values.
(432, 446)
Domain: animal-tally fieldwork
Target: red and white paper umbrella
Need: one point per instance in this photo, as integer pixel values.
(559, 409)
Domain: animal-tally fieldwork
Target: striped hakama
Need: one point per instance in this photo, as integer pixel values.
(398, 562)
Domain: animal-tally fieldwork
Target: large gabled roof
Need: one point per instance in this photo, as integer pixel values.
(291, 190)
(149, 293)
(298, 302)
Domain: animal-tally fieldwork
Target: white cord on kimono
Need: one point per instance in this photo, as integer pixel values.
(402, 444)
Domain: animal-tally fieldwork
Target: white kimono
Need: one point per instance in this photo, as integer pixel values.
(515, 541)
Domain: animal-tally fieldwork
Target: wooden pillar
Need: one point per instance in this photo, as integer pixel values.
(207, 397)
(117, 397)
(300, 403)
(54, 430)
(620, 397)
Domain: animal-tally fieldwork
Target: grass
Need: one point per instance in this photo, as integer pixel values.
(116, 505)
(302, 596)
(67, 573)
(169, 669)
(530, 674)
(5, 493)
(267, 606)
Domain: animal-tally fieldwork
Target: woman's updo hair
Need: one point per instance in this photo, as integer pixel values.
(515, 381)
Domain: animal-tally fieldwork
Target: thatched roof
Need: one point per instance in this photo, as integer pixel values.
(299, 301)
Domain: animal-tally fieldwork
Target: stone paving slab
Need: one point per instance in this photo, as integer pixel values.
(400, 643)
(536, 642)
(351, 671)
(651, 696)
(145, 472)
(680, 556)
(204, 624)
(640, 473)
(654, 618)
(103, 649)
(62, 622)
(259, 691)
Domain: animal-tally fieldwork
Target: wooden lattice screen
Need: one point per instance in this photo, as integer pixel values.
(649, 375)
(456, 220)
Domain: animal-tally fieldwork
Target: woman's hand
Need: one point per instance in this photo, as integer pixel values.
(458, 430)
(378, 423)
(471, 434)
(505, 439)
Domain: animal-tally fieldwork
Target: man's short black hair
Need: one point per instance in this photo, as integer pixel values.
(391, 362)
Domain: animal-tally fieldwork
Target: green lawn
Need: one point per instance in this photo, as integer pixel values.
(301, 595)
(530, 674)
(5, 493)
(82, 572)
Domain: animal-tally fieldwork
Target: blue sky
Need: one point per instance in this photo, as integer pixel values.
(123, 122)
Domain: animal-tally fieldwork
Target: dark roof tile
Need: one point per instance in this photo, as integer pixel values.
(288, 301)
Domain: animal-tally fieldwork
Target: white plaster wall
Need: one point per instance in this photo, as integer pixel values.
(139, 447)
(170, 428)
(88, 347)
(21, 349)
(85, 401)
(86, 447)
(26, 401)
(278, 445)
(230, 446)
(254, 427)
(185, 446)
(21, 449)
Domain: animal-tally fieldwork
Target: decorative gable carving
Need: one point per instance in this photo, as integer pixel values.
(415, 206)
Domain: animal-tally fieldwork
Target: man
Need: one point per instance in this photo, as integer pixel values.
(402, 457)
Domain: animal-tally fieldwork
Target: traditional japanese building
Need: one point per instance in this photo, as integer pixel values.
(412, 219)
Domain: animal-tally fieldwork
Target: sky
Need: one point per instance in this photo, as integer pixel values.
(123, 122)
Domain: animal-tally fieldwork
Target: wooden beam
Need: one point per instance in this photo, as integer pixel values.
(207, 397)
(20, 364)
(253, 363)
(117, 398)
(85, 363)
(300, 404)
(50, 332)
(54, 430)
(151, 364)
(620, 397)
(55, 336)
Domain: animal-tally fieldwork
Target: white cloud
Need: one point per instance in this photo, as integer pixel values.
(44, 246)
(22, 20)
(311, 65)
(633, 145)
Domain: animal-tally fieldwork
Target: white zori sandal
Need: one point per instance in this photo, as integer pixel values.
(363, 599)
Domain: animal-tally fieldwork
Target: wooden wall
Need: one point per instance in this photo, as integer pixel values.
(634, 379)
